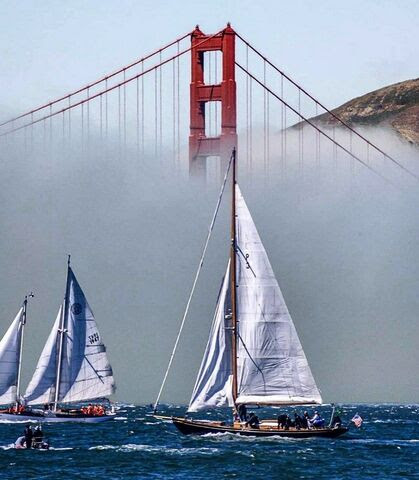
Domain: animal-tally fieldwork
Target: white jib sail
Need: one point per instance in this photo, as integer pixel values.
(86, 373)
(9, 360)
(213, 385)
(41, 388)
(272, 366)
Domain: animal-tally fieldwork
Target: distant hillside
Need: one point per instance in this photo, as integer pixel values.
(396, 106)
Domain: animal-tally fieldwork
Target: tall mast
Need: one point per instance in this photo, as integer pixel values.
(23, 323)
(62, 330)
(233, 285)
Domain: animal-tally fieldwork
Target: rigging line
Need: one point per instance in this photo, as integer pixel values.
(318, 129)
(336, 117)
(97, 82)
(198, 271)
(174, 111)
(113, 87)
(178, 103)
(247, 109)
(106, 109)
(251, 358)
(88, 120)
(87, 360)
(138, 117)
(142, 110)
(125, 116)
(246, 259)
(161, 109)
(155, 114)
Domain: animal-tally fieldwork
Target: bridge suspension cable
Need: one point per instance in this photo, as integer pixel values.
(104, 79)
(327, 110)
(312, 124)
(106, 90)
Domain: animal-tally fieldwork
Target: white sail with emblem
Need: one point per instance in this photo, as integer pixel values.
(84, 371)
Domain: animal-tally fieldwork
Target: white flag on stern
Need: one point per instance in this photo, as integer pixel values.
(9, 360)
(272, 366)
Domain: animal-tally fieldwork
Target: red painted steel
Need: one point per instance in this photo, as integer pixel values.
(201, 146)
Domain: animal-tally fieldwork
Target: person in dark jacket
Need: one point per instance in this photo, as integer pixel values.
(242, 411)
(28, 436)
(38, 435)
(298, 421)
(282, 420)
(253, 421)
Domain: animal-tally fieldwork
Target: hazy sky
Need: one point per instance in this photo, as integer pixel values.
(345, 252)
(337, 49)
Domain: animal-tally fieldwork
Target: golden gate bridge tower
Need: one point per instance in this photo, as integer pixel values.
(202, 146)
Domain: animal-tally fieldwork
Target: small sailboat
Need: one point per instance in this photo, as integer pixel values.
(11, 348)
(254, 356)
(73, 367)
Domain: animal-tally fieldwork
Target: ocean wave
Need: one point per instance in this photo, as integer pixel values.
(133, 447)
(13, 422)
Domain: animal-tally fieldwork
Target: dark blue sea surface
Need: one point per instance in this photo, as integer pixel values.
(135, 446)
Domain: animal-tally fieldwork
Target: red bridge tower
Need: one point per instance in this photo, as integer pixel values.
(201, 146)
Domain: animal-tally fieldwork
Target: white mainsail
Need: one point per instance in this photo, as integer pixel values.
(272, 367)
(85, 372)
(214, 381)
(41, 388)
(9, 360)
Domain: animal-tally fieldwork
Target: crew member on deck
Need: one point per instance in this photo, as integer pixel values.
(253, 421)
(317, 421)
(305, 421)
(242, 411)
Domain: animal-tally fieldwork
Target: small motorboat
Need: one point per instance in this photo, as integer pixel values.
(20, 444)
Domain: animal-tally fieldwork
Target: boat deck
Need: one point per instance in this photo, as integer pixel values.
(266, 428)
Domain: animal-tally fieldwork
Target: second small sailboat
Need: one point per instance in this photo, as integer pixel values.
(73, 367)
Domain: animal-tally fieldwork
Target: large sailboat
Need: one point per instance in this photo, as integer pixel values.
(73, 368)
(254, 356)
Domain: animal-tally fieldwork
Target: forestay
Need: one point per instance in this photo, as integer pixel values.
(9, 360)
(213, 387)
(272, 366)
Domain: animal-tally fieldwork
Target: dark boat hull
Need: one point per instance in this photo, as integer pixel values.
(196, 427)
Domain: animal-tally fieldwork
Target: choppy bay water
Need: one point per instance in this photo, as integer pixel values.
(136, 446)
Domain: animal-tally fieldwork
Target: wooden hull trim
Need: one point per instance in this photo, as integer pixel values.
(196, 427)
